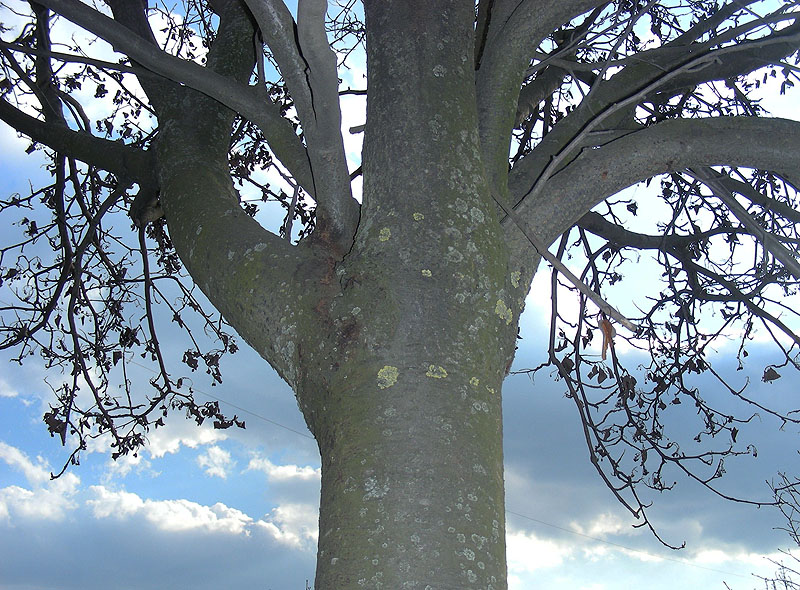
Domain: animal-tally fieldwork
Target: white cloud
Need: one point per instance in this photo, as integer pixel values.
(283, 472)
(216, 461)
(123, 465)
(527, 552)
(6, 390)
(36, 474)
(169, 515)
(181, 432)
(47, 500)
(295, 525)
(605, 524)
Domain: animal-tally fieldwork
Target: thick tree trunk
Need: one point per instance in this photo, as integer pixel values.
(409, 428)
(400, 377)
(412, 483)
(396, 349)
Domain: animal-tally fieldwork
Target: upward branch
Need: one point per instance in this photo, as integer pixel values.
(308, 65)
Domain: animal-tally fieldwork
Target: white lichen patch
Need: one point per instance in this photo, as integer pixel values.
(503, 311)
(426, 273)
(453, 233)
(439, 70)
(384, 234)
(374, 490)
(453, 255)
(479, 540)
(260, 247)
(515, 277)
(387, 376)
(418, 216)
(436, 372)
(476, 215)
(479, 407)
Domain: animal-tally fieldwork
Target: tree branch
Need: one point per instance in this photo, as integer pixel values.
(595, 174)
(771, 245)
(245, 100)
(308, 65)
(133, 15)
(619, 236)
(515, 28)
(665, 70)
(542, 250)
(113, 156)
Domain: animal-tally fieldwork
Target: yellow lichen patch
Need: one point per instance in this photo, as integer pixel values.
(490, 389)
(418, 216)
(502, 310)
(474, 382)
(515, 277)
(385, 234)
(387, 376)
(426, 273)
(436, 372)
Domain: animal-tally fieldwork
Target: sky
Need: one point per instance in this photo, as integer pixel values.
(204, 508)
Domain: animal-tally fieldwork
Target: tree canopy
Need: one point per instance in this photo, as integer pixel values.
(544, 112)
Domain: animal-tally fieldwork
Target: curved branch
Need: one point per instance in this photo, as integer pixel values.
(595, 174)
(245, 100)
(609, 110)
(619, 236)
(515, 28)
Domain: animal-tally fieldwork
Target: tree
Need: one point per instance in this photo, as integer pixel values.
(394, 317)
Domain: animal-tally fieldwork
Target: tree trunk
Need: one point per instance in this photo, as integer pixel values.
(412, 485)
(401, 382)
(397, 348)
(409, 428)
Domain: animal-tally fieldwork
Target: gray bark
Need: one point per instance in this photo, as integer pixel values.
(397, 349)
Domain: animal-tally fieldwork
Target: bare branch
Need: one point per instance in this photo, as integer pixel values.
(710, 179)
(245, 100)
(542, 250)
(666, 71)
(308, 65)
(595, 174)
(113, 156)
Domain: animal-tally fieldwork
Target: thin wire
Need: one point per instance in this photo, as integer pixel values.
(243, 410)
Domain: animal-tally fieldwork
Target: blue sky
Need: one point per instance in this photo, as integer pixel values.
(203, 508)
(206, 509)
